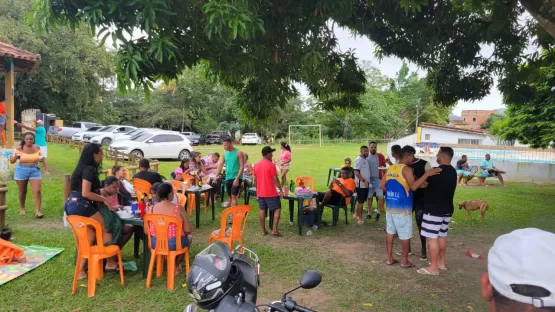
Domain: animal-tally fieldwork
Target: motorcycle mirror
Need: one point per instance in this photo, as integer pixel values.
(191, 308)
(310, 279)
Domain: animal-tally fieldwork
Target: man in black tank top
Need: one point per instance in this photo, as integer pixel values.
(419, 167)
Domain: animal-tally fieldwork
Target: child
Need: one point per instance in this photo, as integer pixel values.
(8, 251)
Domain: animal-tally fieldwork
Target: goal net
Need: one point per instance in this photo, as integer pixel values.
(305, 134)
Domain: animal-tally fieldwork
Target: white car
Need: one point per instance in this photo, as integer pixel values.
(251, 138)
(132, 133)
(79, 135)
(106, 137)
(156, 144)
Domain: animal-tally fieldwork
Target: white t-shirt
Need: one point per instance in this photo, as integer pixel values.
(128, 187)
(361, 164)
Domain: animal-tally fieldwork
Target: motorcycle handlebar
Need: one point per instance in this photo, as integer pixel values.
(291, 305)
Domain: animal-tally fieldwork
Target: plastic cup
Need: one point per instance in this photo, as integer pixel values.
(134, 208)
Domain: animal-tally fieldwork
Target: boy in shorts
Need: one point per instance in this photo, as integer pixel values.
(267, 186)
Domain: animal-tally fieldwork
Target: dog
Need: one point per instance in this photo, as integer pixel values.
(470, 205)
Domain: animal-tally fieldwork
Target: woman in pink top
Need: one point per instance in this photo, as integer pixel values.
(284, 161)
(166, 207)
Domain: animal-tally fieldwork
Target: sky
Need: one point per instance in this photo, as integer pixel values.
(364, 50)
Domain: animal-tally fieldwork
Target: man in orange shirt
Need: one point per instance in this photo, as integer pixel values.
(341, 188)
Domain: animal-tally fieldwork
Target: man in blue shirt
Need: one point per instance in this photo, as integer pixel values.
(488, 165)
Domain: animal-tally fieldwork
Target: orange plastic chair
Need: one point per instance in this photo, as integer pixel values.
(161, 223)
(95, 254)
(141, 188)
(187, 180)
(304, 181)
(239, 214)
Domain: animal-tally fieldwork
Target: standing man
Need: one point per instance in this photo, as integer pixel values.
(234, 161)
(488, 165)
(266, 181)
(362, 181)
(419, 168)
(399, 181)
(438, 208)
(375, 161)
(396, 154)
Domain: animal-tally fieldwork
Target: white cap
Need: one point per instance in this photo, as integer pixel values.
(524, 257)
(40, 122)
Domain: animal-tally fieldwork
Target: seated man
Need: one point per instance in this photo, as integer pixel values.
(144, 173)
(463, 170)
(487, 165)
(340, 189)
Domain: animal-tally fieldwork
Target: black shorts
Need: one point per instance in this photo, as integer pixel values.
(271, 203)
(336, 199)
(232, 190)
(362, 195)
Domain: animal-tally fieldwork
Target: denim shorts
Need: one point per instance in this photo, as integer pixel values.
(27, 172)
(171, 242)
(78, 205)
(400, 224)
(375, 188)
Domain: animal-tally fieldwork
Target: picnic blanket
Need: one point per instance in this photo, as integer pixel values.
(36, 255)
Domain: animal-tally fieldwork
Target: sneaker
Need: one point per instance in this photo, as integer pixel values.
(377, 217)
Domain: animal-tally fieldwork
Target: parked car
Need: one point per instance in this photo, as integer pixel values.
(156, 144)
(187, 133)
(221, 134)
(196, 139)
(107, 137)
(78, 126)
(132, 133)
(251, 138)
(79, 135)
(213, 139)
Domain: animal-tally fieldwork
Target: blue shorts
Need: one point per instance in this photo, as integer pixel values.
(271, 203)
(172, 243)
(375, 188)
(78, 205)
(400, 224)
(27, 172)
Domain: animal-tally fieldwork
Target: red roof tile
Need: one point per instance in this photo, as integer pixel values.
(24, 61)
(450, 128)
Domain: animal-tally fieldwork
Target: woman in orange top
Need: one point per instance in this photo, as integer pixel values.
(27, 171)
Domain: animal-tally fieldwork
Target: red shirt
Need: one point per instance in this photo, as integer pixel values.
(264, 173)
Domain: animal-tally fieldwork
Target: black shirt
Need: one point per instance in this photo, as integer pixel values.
(418, 168)
(438, 196)
(460, 164)
(150, 176)
(89, 173)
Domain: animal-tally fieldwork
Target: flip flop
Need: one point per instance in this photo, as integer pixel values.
(80, 277)
(392, 263)
(264, 233)
(22, 212)
(408, 266)
(423, 271)
(439, 267)
(278, 234)
(39, 216)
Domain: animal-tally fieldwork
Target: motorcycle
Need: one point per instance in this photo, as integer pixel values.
(242, 279)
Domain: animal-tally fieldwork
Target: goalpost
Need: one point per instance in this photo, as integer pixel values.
(319, 131)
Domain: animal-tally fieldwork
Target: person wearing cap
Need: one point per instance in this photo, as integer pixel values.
(520, 273)
(40, 135)
(267, 186)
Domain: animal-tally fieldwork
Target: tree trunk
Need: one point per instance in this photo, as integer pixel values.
(346, 126)
(544, 13)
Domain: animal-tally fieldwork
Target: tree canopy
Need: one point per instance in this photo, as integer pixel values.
(260, 48)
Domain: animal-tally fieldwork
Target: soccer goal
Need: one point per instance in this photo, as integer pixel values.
(305, 137)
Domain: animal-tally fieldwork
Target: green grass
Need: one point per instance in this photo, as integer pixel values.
(350, 257)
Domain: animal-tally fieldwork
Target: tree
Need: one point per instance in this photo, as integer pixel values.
(70, 80)
(491, 120)
(260, 48)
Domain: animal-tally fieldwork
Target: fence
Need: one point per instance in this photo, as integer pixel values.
(328, 141)
(504, 153)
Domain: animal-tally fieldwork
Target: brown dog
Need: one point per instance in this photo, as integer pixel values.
(470, 205)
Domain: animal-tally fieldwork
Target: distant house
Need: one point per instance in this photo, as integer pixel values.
(441, 134)
(473, 119)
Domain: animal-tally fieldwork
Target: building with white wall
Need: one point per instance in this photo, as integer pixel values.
(441, 134)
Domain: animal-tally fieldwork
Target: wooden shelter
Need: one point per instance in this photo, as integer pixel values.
(14, 60)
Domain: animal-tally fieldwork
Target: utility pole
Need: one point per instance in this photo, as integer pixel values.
(417, 113)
